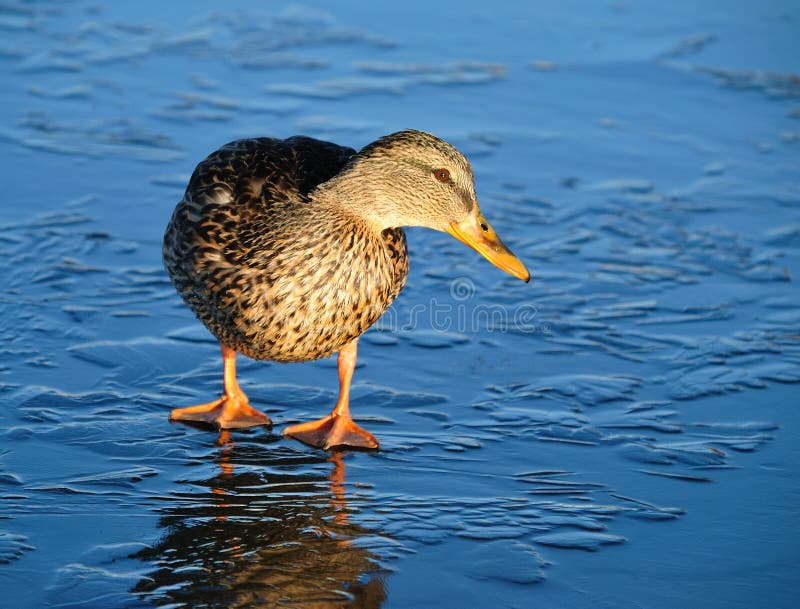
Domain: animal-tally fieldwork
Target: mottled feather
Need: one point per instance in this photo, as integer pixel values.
(272, 271)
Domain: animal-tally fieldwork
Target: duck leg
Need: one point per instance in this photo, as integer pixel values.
(337, 429)
(230, 411)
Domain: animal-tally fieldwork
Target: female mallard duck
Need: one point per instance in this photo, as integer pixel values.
(288, 250)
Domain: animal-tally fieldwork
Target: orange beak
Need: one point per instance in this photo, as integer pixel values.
(477, 233)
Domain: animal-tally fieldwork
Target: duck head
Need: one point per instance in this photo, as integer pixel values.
(412, 178)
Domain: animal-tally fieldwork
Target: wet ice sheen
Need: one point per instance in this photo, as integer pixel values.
(590, 541)
(651, 380)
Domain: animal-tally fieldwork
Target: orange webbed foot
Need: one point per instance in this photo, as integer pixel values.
(333, 431)
(232, 410)
(228, 412)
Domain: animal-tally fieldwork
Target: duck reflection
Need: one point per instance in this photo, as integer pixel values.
(268, 530)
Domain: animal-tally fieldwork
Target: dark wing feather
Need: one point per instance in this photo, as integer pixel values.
(271, 169)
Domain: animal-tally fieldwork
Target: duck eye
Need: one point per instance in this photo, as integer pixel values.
(442, 175)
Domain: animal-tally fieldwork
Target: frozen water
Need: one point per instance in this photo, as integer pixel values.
(635, 400)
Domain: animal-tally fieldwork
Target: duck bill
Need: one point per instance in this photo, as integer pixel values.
(476, 232)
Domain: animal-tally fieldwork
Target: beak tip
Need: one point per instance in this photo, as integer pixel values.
(494, 250)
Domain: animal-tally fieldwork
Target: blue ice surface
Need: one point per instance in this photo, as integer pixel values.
(631, 446)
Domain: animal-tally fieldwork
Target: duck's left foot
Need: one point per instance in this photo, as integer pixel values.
(228, 412)
(332, 431)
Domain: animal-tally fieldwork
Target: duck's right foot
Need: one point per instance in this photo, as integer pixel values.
(333, 431)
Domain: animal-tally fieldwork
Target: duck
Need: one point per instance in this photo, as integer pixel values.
(288, 250)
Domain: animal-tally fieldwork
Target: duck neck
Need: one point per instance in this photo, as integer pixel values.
(348, 196)
(366, 195)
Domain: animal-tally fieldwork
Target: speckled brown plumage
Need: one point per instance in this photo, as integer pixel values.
(289, 250)
(272, 273)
